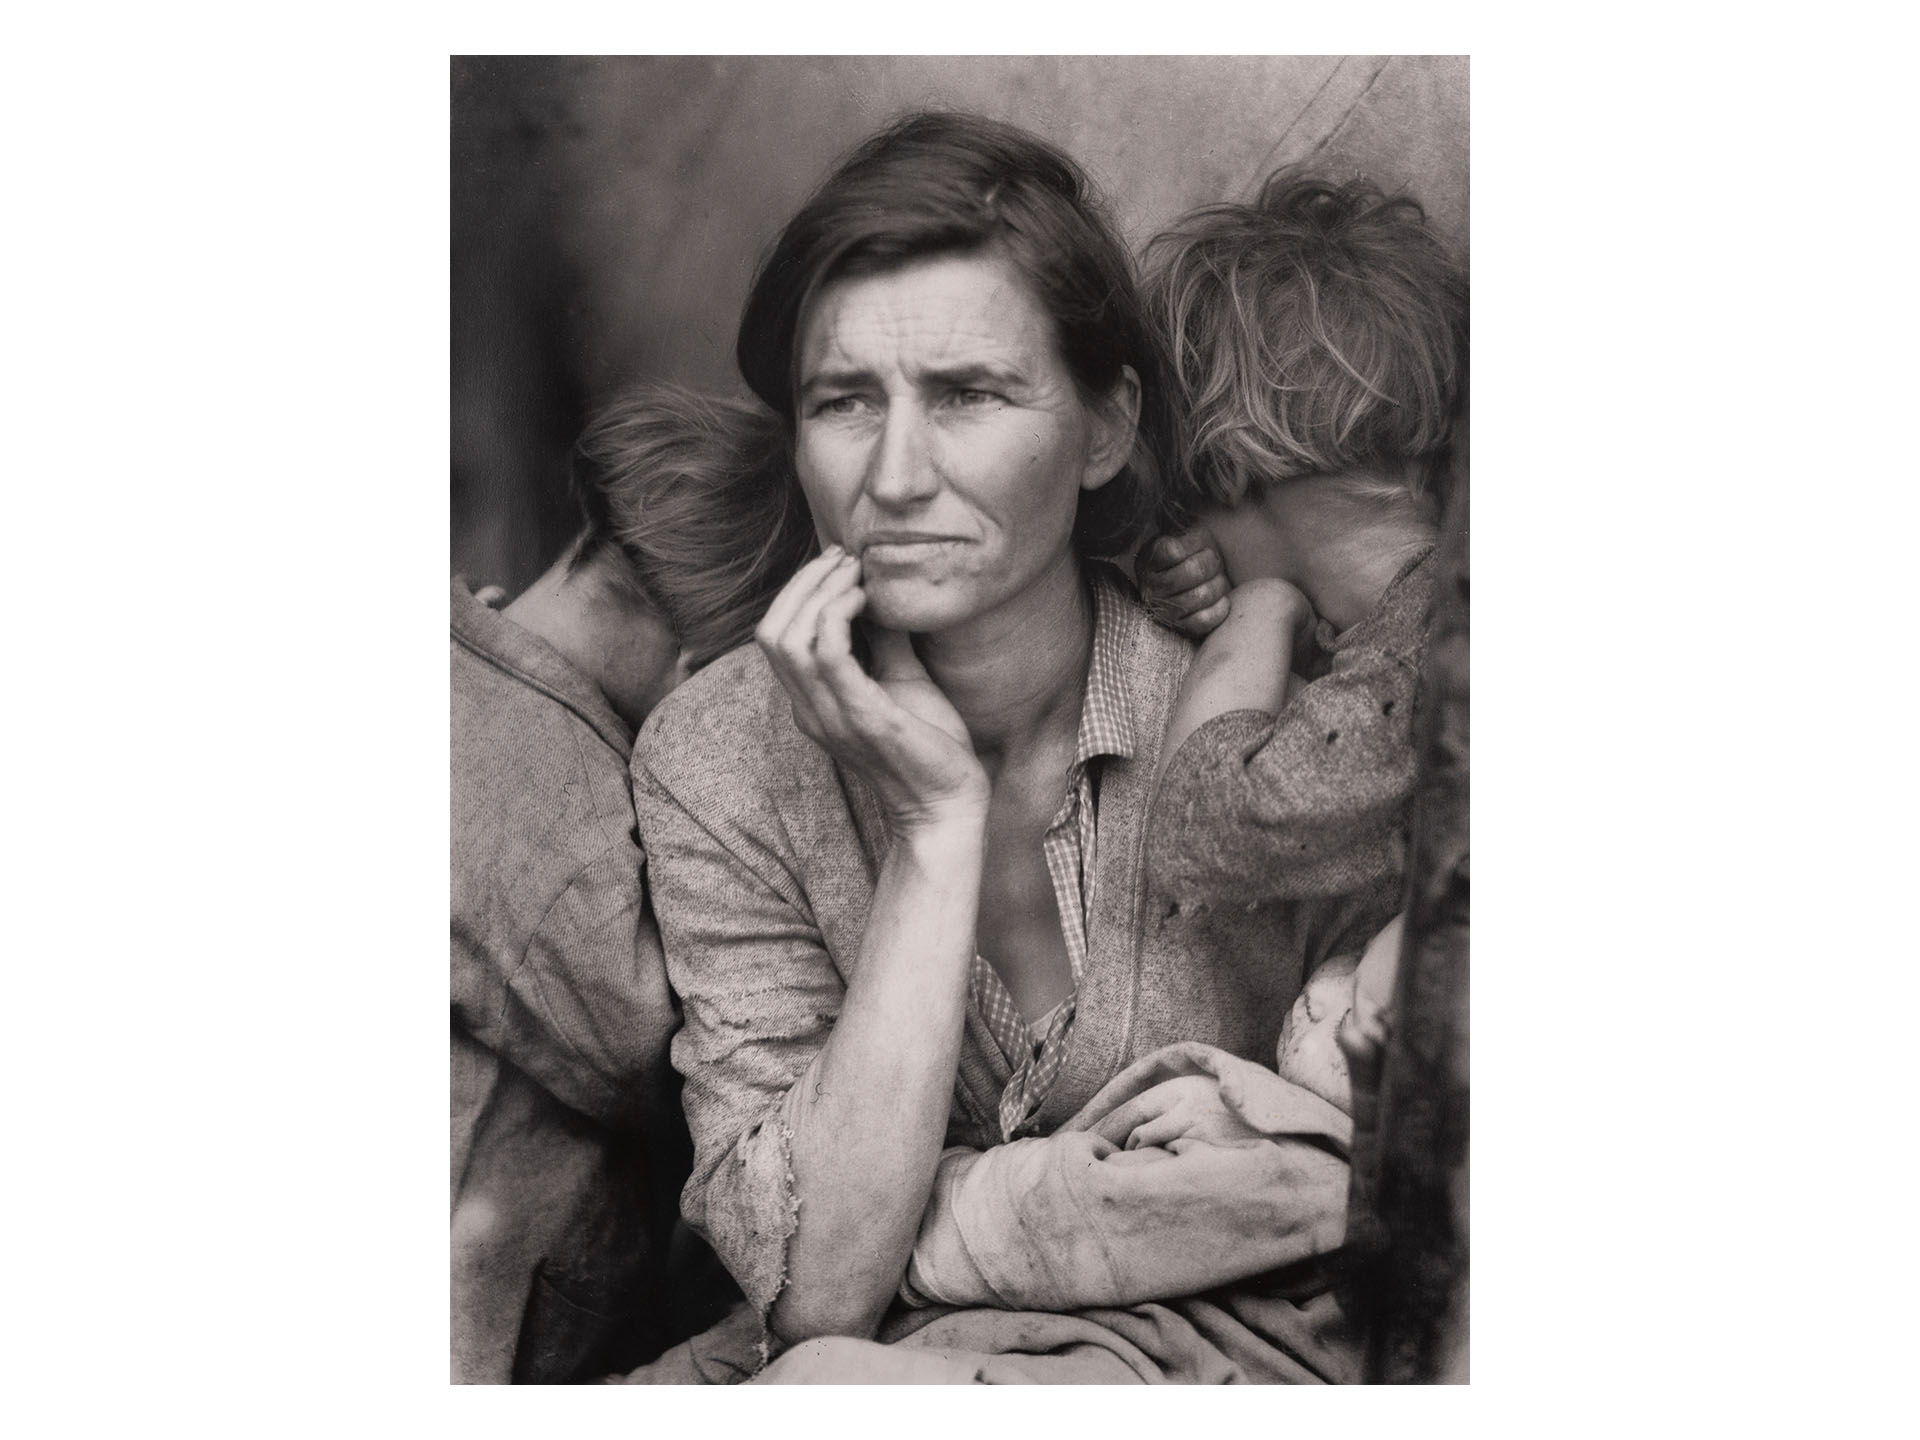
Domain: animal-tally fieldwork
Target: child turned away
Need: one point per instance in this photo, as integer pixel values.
(1319, 336)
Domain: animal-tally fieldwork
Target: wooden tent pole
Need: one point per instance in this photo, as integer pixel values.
(1408, 1213)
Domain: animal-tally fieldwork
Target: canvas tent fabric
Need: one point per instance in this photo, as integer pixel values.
(608, 212)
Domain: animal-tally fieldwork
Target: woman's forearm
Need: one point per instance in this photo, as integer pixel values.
(869, 1116)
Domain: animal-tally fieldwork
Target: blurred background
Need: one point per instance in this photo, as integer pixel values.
(607, 213)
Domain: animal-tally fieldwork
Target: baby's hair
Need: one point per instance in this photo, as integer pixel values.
(694, 492)
(1321, 329)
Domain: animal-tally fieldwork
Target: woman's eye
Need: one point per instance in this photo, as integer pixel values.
(838, 405)
(971, 399)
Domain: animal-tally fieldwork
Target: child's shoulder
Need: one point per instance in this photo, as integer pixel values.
(1399, 621)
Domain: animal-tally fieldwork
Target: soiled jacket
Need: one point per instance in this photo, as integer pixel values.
(765, 857)
(567, 1145)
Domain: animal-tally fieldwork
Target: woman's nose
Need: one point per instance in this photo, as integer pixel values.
(902, 471)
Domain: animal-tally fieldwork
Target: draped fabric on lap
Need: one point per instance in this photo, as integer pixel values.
(1073, 1259)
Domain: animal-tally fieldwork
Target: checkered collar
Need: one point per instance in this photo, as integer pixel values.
(1106, 714)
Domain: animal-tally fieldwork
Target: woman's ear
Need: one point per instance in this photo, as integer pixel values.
(1116, 420)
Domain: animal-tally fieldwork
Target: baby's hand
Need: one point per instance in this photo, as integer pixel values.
(1185, 582)
(1310, 1054)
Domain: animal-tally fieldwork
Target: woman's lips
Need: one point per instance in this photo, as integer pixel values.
(905, 549)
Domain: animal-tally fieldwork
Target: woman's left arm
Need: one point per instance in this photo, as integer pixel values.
(1249, 1175)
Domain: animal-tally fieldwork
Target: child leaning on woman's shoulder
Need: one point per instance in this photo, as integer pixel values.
(1319, 339)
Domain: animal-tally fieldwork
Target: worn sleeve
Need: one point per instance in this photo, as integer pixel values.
(760, 995)
(584, 1009)
(1309, 803)
(1075, 1219)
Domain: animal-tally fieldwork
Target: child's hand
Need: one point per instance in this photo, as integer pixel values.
(1185, 582)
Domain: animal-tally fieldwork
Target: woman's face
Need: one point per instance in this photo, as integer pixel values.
(941, 439)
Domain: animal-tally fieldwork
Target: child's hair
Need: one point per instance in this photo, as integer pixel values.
(694, 492)
(1321, 329)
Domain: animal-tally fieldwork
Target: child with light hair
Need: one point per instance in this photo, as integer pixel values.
(1318, 336)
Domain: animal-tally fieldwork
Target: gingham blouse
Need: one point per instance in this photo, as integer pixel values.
(1035, 1049)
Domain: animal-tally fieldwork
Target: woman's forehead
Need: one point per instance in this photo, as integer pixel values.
(939, 312)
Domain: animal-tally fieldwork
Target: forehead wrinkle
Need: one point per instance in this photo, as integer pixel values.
(894, 322)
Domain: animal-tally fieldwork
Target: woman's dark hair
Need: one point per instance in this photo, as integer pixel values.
(1320, 330)
(956, 184)
(696, 494)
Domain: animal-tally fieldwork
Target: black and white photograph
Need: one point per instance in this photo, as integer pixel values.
(952, 781)
(959, 720)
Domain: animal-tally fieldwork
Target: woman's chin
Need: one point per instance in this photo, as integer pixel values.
(914, 606)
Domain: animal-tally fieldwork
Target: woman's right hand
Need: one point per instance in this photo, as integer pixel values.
(894, 728)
